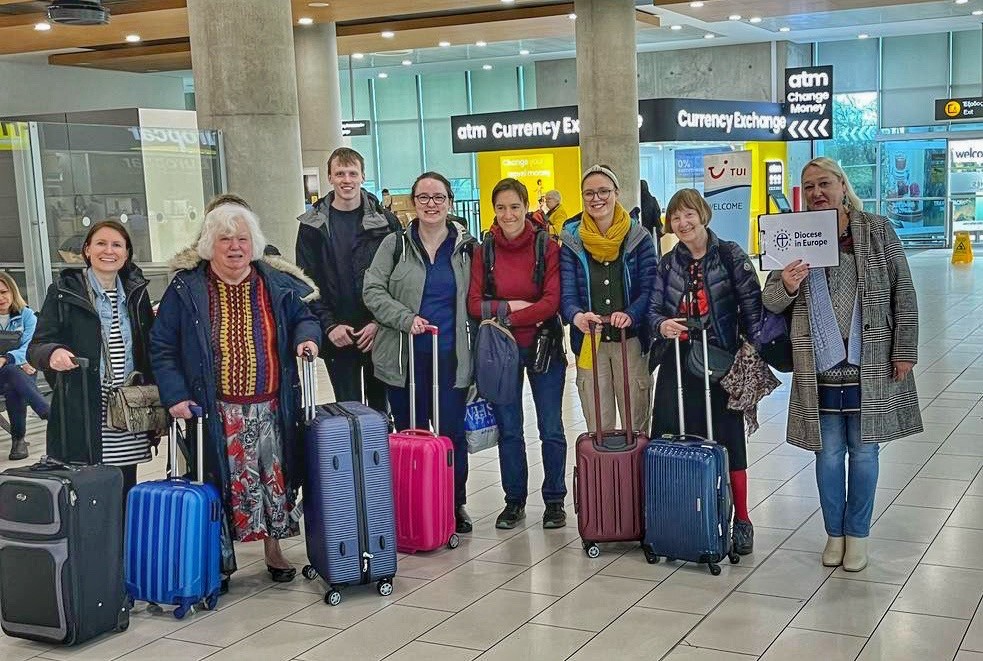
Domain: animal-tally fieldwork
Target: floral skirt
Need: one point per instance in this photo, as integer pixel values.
(261, 503)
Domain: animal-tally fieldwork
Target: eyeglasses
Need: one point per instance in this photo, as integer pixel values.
(603, 194)
(425, 199)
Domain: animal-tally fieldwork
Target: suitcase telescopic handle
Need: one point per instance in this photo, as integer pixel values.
(434, 332)
(199, 415)
(706, 379)
(628, 422)
(308, 386)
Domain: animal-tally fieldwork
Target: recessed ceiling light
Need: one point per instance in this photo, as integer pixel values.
(978, 12)
(480, 44)
(734, 17)
(784, 29)
(961, 2)
(383, 75)
(524, 51)
(407, 63)
(358, 56)
(675, 27)
(754, 19)
(709, 36)
(42, 26)
(572, 17)
(318, 4)
(388, 34)
(133, 38)
(696, 5)
(863, 35)
(306, 20)
(486, 67)
(153, 70)
(444, 44)
(508, 2)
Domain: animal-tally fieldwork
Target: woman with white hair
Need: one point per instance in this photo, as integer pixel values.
(228, 331)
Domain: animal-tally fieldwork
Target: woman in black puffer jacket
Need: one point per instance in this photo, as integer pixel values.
(713, 279)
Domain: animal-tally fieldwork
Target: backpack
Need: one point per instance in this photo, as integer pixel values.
(488, 258)
(496, 357)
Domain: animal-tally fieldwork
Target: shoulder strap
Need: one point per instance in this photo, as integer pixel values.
(488, 259)
(398, 248)
(541, 246)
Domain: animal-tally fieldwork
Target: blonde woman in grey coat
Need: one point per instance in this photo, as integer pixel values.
(854, 332)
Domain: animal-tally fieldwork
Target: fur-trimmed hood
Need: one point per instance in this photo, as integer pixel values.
(189, 259)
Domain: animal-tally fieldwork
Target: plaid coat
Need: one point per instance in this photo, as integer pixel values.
(889, 320)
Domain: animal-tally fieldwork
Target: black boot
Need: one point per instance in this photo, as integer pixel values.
(18, 449)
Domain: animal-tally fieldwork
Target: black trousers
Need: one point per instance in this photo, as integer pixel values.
(348, 369)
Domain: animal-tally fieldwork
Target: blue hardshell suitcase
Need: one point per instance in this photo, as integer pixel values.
(349, 518)
(173, 529)
(688, 502)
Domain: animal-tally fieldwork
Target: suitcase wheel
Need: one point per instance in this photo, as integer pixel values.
(210, 602)
(714, 569)
(454, 541)
(734, 558)
(332, 598)
(309, 572)
(385, 586)
(650, 556)
(592, 550)
(154, 609)
(180, 612)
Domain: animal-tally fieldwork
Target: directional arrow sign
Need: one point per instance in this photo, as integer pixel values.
(809, 103)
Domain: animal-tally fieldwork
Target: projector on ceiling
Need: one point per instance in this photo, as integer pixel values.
(78, 12)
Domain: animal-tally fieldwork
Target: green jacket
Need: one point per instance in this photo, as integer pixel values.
(393, 292)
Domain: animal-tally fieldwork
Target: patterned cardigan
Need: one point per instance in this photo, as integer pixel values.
(889, 318)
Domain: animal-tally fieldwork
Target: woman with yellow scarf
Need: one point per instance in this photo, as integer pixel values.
(607, 265)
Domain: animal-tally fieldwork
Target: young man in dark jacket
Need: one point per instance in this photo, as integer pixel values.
(337, 239)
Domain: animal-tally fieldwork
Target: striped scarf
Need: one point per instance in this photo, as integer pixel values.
(243, 339)
(827, 341)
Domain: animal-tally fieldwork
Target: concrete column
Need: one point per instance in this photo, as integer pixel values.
(318, 96)
(607, 90)
(242, 54)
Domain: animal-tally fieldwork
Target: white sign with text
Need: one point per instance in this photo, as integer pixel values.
(811, 236)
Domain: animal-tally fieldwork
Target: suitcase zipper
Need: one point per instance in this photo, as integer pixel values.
(363, 533)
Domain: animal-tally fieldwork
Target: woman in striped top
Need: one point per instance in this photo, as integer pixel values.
(102, 313)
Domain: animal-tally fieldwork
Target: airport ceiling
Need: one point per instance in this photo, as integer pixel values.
(152, 35)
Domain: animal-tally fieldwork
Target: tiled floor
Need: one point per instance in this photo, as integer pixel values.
(533, 594)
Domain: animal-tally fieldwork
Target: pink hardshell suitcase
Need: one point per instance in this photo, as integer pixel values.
(423, 476)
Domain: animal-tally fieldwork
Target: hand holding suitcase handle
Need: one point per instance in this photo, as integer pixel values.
(610, 442)
(308, 390)
(434, 331)
(199, 414)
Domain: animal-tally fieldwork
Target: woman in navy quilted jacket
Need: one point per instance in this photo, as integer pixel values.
(704, 276)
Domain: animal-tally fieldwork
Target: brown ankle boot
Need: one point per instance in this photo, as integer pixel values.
(18, 449)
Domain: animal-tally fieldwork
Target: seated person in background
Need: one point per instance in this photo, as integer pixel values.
(17, 380)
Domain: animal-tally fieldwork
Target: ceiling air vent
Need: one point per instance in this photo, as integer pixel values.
(78, 12)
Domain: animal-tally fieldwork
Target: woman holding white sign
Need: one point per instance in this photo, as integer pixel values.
(852, 385)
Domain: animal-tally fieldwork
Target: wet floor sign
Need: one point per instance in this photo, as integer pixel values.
(962, 252)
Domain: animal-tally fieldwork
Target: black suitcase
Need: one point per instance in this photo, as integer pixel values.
(61, 551)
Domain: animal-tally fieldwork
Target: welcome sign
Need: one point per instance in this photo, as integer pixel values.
(727, 189)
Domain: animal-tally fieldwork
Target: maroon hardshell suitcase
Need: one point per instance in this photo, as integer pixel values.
(607, 481)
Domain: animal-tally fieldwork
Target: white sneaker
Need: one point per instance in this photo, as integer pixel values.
(855, 557)
(833, 553)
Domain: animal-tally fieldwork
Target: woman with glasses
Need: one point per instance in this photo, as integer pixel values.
(607, 267)
(420, 277)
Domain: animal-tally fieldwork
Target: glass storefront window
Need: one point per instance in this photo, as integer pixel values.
(913, 189)
(966, 186)
(854, 147)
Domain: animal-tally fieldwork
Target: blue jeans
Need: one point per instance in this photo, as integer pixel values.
(547, 395)
(21, 390)
(847, 505)
(452, 403)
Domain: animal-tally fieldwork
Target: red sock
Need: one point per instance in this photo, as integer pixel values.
(738, 487)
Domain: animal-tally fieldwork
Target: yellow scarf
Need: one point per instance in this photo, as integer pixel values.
(605, 247)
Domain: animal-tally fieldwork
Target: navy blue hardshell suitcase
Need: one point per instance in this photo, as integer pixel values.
(688, 502)
(349, 518)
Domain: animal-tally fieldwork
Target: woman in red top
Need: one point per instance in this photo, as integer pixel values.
(533, 298)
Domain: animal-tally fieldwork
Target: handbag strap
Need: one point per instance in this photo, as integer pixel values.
(110, 378)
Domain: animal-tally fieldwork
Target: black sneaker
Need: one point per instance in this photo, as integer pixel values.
(510, 516)
(743, 537)
(462, 521)
(554, 517)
